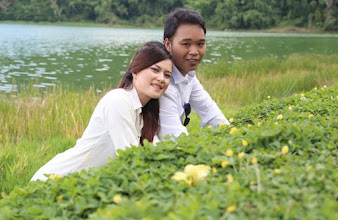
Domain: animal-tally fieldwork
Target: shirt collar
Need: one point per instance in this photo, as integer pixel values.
(136, 100)
(178, 77)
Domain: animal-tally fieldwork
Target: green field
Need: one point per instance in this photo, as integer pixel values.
(36, 125)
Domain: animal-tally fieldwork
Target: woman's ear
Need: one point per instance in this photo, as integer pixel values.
(134, 75)
(167, 44)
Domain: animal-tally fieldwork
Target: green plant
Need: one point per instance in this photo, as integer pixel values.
(287, 170)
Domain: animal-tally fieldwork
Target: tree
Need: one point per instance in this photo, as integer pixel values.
(4, 4)
(328, 19)
(56, 9)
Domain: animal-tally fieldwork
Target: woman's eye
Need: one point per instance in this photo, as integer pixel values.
(185, 44)
(154, 70)
(201, 44)
(167, 75)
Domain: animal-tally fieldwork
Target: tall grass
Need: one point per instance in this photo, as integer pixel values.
(35, 125)
(248, 82)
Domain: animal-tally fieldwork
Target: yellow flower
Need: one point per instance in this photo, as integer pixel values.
(302, 95)
(209, 126)
(54, 176)
(259, 124)
(233, 130)
(231, 120)
(252, 182)
(254, 160)
(277, 171)
(59, 197)
(244, 143)
(220, 124)
(324, 86)
(269, 97)
(240, 155)
(229, 153)
(315, 88)
(214, 170)
(224, 164)
(199, 171)
(280, 117)
(85, 159)
(310, 115)
(249, 125)
(276, 123)
(290, 108)
(231, 208)
(180, 176)
(117, 199)
(285, 149)
(230, 178)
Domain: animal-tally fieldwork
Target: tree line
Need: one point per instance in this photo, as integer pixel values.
(219, 14)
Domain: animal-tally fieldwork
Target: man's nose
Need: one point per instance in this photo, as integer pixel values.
(193, 50)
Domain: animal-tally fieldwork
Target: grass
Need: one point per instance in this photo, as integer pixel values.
(37, 125)
(252, 81)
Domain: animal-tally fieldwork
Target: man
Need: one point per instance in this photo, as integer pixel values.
(184, 38)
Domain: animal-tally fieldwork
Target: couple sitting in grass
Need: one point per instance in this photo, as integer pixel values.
(153, 99)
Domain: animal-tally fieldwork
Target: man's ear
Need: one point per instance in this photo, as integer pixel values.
(167, 44)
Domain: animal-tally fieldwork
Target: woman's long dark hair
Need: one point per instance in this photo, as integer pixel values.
(150, 53)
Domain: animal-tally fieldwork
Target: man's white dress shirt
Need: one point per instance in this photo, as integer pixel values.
(115, 124)
(181, 90)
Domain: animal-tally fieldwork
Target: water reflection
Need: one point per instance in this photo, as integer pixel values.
(94, 55)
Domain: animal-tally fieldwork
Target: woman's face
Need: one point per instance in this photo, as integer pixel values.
(151, 83)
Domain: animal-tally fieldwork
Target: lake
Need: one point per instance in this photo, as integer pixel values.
(82, 56)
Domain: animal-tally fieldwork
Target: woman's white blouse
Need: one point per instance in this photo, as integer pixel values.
(115, 124)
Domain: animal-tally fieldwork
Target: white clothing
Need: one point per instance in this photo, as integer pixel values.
(181, 90)
(114, 125)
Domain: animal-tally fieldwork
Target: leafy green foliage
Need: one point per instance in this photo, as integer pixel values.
(299, 183)
(225, 14)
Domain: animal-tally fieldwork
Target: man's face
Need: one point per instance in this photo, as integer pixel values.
(187, 47)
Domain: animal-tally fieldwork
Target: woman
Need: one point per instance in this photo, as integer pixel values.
(123, 117)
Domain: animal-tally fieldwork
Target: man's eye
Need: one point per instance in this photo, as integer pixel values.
(201, 44)
(185, 44)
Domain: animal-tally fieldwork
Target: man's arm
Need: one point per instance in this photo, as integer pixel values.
(205, 107)
(170, 112)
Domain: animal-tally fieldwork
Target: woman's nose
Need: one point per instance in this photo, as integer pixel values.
(160, 77)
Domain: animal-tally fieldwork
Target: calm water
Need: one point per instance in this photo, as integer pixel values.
(81, 56)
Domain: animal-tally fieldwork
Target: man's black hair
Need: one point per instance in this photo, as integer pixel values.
(181, 16)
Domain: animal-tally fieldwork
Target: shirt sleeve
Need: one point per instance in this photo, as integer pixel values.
(205, 107)
(170, 122)
(120, 120)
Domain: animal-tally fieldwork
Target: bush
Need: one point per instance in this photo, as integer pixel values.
(277, 160)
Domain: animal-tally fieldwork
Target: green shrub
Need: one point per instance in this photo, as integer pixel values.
(287, 171)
